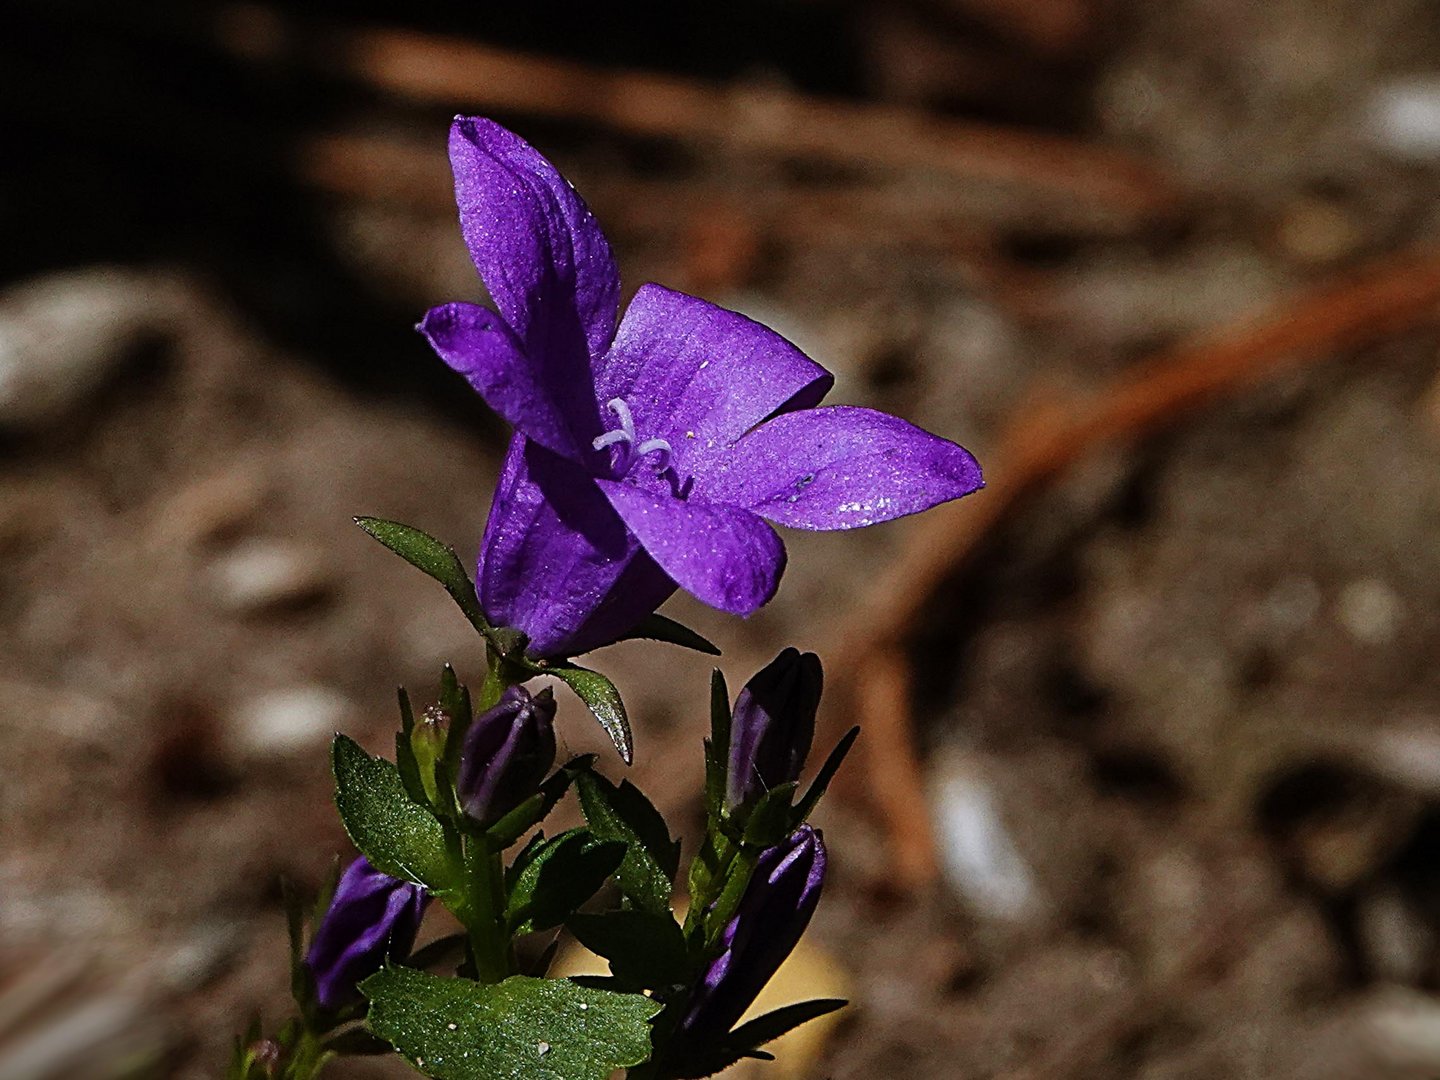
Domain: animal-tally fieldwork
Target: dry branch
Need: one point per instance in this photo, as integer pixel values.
(1041, 443)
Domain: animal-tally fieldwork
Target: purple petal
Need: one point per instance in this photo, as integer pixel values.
(699, 376)
(476, 342)
(840, 467)
(722, 555)
(543, 258)
(557, 562)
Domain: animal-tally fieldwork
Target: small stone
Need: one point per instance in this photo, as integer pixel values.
(1370, 611)
(261, 575)
(977, 853)
(63, 335)
(543, 1047)
(289, 721)
(1403, 118)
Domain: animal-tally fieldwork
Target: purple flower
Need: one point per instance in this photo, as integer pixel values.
(506, 754)
(774, 911)
(653, 454)
(372, 917)
(773, 726)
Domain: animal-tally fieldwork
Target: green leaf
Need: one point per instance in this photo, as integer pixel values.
(519, 1029)
(397, 835)
(651, 857)
(405, 752)
(659, 628)
(772, 1025)
(559, 875)
(424, 552)
(743, 1041)
(645, 950)
(717, 747)
(771, 820)
(827, 773)
(602, 699)
(534, 810)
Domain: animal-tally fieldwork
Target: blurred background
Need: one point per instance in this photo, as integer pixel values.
(1150, 778)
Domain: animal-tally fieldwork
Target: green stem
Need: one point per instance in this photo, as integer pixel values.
(308, 1058)
(501, 674)
(489, 936)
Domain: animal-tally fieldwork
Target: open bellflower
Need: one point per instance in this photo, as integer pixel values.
(506, 754)
(372, 918)
(774, 911)
(773, 725)
(650, 454)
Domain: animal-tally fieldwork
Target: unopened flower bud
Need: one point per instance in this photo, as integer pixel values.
(773, 726)
(507, 752)
(774, 911)
(427, 743)
(372, 918)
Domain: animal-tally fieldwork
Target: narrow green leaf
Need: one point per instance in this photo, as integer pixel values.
(519, 1029)
(602, 699)
(394, 832)
(717, 747)
(772, 1025)
(771, 819)
(535, 809)
(560, 875)
(827, 773)
(657, 627)
(626, 815)
(425, 553)
(645, 950)
(405, 752)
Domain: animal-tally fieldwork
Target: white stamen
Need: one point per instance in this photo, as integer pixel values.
(610, 438)
(655, 446)
(623, 414)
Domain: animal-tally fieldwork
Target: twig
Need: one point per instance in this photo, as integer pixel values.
(1041, 443)
(460, 74)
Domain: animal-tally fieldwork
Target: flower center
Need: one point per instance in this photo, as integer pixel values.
(629, 451)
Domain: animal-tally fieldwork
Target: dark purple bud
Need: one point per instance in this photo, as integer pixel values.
(773, 912)
(372, 918)
(773, 726)
(507, 752)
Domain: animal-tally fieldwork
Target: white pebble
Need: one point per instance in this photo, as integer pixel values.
(290, 721)
(1370, 610)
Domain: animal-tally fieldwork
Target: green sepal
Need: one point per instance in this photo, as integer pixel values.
(778, 1022)
(745, 1040)
(651, 856)
(737, 877)
(519, 1029)
(657, 627)
(429, 555)
(827, 772)
(646, 951)
(405, 759)
(537, 807)
(557, 877)
(717, 747)
(398, 835)
(772, 818)
(602, 699)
